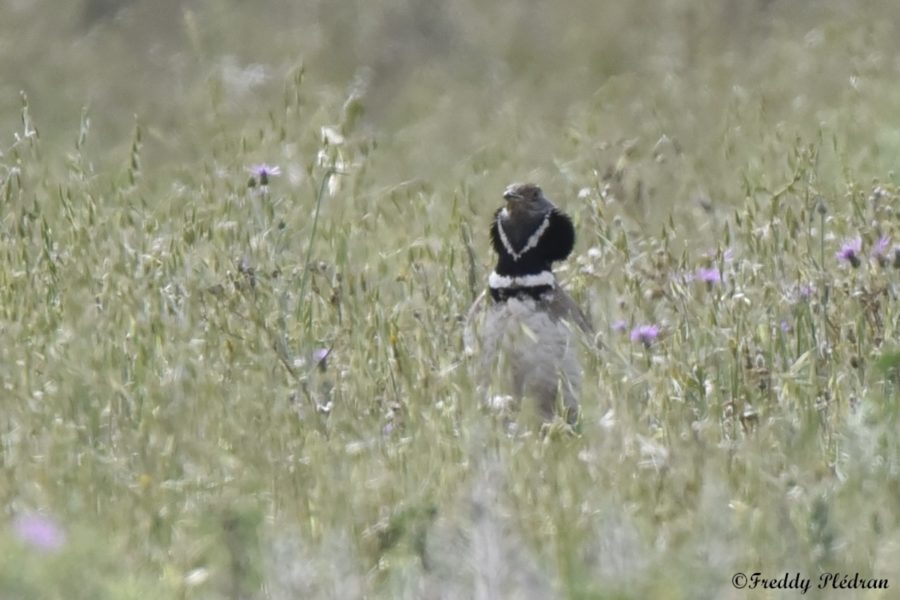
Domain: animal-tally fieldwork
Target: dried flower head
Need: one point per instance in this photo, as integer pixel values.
(850, 252)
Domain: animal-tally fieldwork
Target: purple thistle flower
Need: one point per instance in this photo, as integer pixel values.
(785, 326)
(645, 334)
(802, 292)
(619, 326)
(710, 276)
(879, 250)
(320, 357)
(262, 173)
(850, 251)
(39, 532)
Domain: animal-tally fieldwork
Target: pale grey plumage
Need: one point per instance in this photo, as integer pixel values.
(530, 339)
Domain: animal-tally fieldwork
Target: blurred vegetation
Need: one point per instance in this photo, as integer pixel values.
(163, 314)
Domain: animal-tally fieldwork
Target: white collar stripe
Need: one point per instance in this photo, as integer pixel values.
(532, 241)
(544, 278)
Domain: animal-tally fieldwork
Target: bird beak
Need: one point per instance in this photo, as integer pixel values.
(509, 196)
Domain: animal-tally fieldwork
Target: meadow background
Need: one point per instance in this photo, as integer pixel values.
(168, 429)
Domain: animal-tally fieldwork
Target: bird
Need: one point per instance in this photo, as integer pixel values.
(525, 327)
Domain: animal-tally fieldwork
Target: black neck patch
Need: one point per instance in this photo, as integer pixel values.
(551, 240)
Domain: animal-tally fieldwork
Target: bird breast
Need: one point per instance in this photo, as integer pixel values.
(530, 339)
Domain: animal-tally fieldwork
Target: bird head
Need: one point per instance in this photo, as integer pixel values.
(526, 199)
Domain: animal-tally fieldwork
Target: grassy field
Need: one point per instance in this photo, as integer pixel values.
(169, 427)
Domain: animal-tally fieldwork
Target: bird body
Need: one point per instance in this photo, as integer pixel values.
(529, 331)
